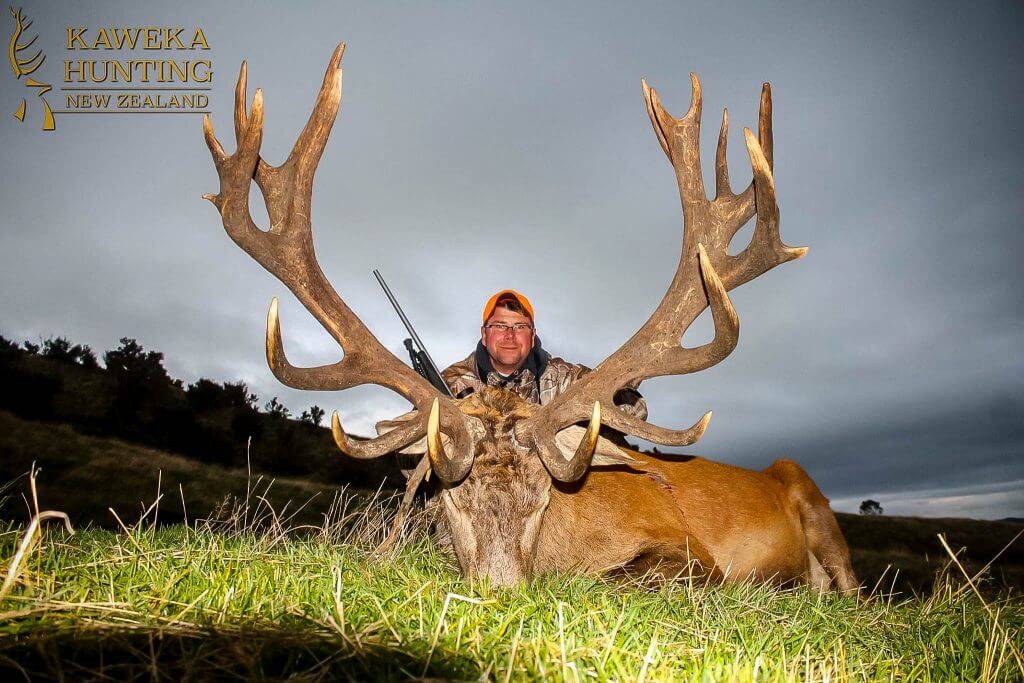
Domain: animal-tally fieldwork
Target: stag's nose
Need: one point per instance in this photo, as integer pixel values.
(504, 571)
(504, 578)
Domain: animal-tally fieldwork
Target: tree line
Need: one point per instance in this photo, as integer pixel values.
(131, 396)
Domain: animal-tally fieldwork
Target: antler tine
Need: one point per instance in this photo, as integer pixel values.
(235, 173)
(766, 249)
(721, 160)
(448, 468)
(330, 377)
(676, 360)
(265, 174)
(311, 141)
(218, 153)
(241, 118)
(737, 210)
(655, 114)
(680, 139)
(764, 124)
(574, 468)
(390, 442)
(263, 170)
(286, 250)
(709, 225)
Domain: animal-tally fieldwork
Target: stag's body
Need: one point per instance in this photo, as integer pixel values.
(696, 516)
(675, 515)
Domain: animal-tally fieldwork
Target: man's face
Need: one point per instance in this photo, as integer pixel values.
(510, 348)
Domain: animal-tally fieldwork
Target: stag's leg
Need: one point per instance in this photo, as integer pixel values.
(670, 562)
(825, 541)
(819, 578)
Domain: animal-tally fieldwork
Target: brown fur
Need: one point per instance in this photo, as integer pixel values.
(678, 516)
(697, 515)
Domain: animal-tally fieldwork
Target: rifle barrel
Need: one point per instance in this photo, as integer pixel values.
(408, 325)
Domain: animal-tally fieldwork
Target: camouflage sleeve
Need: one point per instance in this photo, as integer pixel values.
(460, 377)
(627, 399)
(631, 403)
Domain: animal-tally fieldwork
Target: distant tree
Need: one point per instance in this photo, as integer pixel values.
(131, 360)
(57, 348)
(143, 389)
(84, 356)
(7, 347)
(26, 391)
(238, 396)
(276, 408)
(204, 395)
(247, 424)
(870, 507)
(60, 349)
(314, 415)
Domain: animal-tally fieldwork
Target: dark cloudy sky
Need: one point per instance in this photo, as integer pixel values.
(482, 146)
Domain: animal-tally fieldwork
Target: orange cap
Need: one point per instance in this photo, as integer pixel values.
(493, 302)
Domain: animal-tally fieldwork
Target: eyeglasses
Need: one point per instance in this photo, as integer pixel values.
(502, 328)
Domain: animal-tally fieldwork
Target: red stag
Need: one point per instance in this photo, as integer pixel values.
(527, 489)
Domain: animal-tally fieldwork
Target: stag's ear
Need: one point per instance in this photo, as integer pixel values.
(608, 457)
(420, 447)
(606, 452)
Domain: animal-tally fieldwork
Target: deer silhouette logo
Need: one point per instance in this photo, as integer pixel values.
(26, 66)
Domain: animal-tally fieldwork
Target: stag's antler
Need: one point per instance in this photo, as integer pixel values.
(706, 272)
(286, 250)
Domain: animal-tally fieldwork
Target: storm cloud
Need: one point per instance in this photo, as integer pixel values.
(483, 147)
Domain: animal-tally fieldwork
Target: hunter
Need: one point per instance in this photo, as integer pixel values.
(509, 355)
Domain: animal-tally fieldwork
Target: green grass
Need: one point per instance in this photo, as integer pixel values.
(245, 598)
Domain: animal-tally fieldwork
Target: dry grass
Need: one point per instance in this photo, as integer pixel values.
(86, 475)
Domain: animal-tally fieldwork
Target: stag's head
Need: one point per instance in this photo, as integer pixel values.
(495, 454)
(495, 508)
(495, 511)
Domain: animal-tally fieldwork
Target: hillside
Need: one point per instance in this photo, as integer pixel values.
(134, 400)
(85, 475)
(910, 546)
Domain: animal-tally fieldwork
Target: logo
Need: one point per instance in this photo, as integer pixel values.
(26, 66)
(112, 69)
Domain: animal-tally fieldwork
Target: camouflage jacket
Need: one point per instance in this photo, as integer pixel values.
(555, 376)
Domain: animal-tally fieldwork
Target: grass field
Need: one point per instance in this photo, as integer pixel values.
(244, 598)
(255, 591)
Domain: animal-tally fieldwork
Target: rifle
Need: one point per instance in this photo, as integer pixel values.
(423, 364)
(421, 360)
